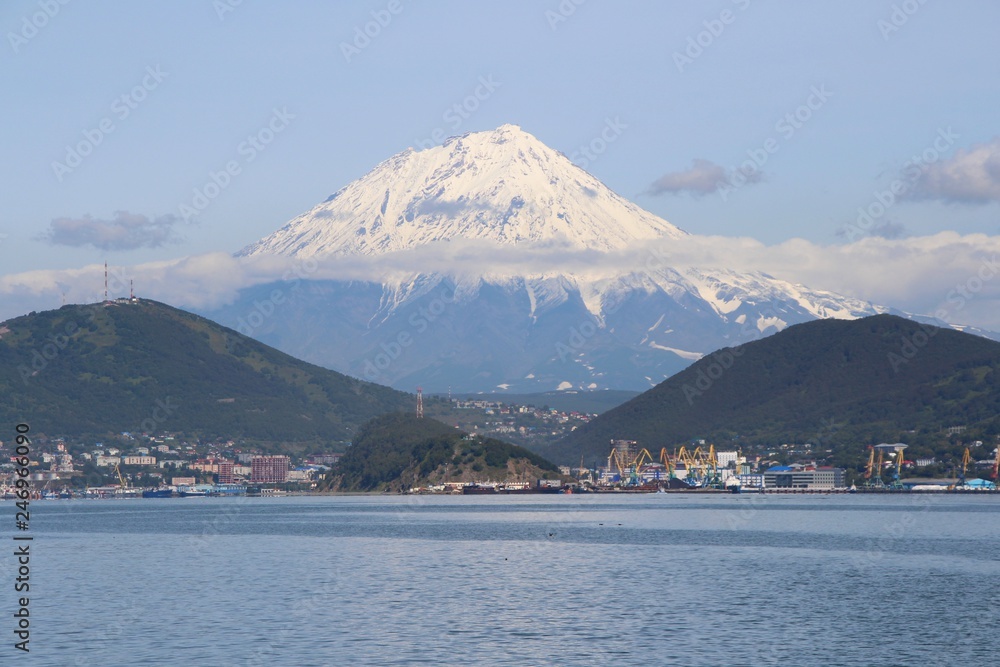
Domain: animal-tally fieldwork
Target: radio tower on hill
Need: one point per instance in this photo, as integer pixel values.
(420, 403)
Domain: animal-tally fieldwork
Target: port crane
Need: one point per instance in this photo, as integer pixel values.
(966, 460)
(668, 463)
(121, 479)
(873, 471)
(895, 451)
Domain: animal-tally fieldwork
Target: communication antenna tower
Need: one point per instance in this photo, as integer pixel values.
(420, 403)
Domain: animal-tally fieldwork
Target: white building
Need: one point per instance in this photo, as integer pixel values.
(727, 459)
(787, 477)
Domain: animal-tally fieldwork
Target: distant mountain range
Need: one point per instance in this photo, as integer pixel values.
(146, 367)
(495, 329)
(838, 384)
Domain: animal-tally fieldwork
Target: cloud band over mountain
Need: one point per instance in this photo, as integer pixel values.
(949, 274)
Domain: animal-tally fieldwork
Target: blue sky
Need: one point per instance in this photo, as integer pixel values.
(873, 83)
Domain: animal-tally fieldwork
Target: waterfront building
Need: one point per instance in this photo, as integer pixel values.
(226, 473)
(269, 469)
(791, 477)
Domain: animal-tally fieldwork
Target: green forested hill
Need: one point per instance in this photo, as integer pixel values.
(839, 382)
(400, 451)
(144, 366)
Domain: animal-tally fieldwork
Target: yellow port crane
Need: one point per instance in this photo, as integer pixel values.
(643, 458)
(966, 460)
(667, 462)
(616, 459)
(121, 478)
(873, 471)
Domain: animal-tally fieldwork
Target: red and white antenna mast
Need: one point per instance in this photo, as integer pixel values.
(105, 282)
(131, 290)
(420, 403)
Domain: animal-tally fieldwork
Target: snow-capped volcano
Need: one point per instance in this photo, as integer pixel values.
(618, 325)
(503, 186)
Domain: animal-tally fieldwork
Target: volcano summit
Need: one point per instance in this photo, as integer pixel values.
(619, 317)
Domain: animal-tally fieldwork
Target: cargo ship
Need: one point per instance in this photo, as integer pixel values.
(161, 492)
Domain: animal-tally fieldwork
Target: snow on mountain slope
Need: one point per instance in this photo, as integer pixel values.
(609, 326)
(503, 186)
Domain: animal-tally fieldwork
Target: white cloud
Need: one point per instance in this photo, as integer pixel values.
(947, 272)
(125, 231)
(702, 178)
(971, 176)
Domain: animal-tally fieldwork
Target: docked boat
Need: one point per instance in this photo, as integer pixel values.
(161, 492)
(192, 491)
(507, 489)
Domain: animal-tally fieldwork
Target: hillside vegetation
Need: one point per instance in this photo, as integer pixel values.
(400, 451)
(103, 369)
(839, 383)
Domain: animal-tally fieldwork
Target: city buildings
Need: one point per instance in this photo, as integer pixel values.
(269, 469)
(795, 477)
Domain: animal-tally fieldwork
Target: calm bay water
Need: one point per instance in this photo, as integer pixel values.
(657, 579)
